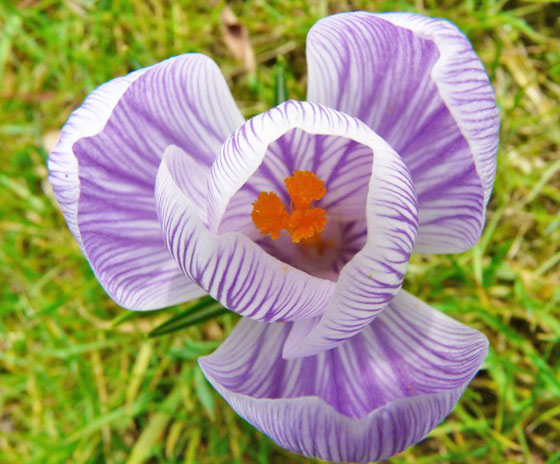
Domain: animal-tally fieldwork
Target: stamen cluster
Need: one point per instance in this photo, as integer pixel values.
(303, 221)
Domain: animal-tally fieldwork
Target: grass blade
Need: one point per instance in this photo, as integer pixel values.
(202, 311)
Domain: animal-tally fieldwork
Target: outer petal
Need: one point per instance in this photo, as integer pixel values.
(105, 183)
(87, 120)
(418, 83)
(230, 267)
(368, 399)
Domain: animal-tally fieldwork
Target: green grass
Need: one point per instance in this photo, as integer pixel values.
(78, 387)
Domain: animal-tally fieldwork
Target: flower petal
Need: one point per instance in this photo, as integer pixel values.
(293, 136)
(373, 275)
(230, 267)
(105, 182)
(368, 399)
(417, 82)
(87, 120)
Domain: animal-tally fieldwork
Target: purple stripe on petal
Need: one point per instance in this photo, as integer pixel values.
(269, 147)
(374, 396)
(342, 163)
(87, 120)
(105, 182)
(229, 266)
(343, 240)
(373, 276)
(418, 83)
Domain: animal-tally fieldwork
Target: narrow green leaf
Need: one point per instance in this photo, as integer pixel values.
(280, 89)
(152, 432)
(194, 349)
(205, 309)
(192, 448)
(123, 317)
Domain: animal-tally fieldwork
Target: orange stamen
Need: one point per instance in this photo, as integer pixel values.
(269, 214)
(305, 187)
(305, 223)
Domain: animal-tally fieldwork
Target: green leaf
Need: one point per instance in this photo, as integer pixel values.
(280, 88)
(203, 310)
(123, 317)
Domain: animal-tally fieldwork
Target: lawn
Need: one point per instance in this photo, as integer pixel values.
(81, 381)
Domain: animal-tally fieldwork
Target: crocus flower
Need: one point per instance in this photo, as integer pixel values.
(302, 220)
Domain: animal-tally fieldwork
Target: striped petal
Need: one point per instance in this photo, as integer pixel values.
(374, 275)
(417, 82)
(370, 279)
(104, 167)
(89, 119)
(293, 136)
(368, 399)
(229, 266)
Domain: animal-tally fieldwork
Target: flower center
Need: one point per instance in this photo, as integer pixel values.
(304, 221)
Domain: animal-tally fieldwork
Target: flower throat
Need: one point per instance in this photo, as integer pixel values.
(304, 222)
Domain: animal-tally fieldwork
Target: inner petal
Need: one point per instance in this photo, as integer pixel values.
(343, 165)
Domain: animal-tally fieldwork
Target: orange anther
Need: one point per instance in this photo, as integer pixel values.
(269, 214)
(306, 223)
(305, 187)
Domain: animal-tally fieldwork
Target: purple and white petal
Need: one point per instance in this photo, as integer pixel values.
(417, 82)
(323, 148)
(86, 121)
(370, 279)
(103, 171)
(292, 136)
(229, 266)
(373, 275)
(368, 399)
